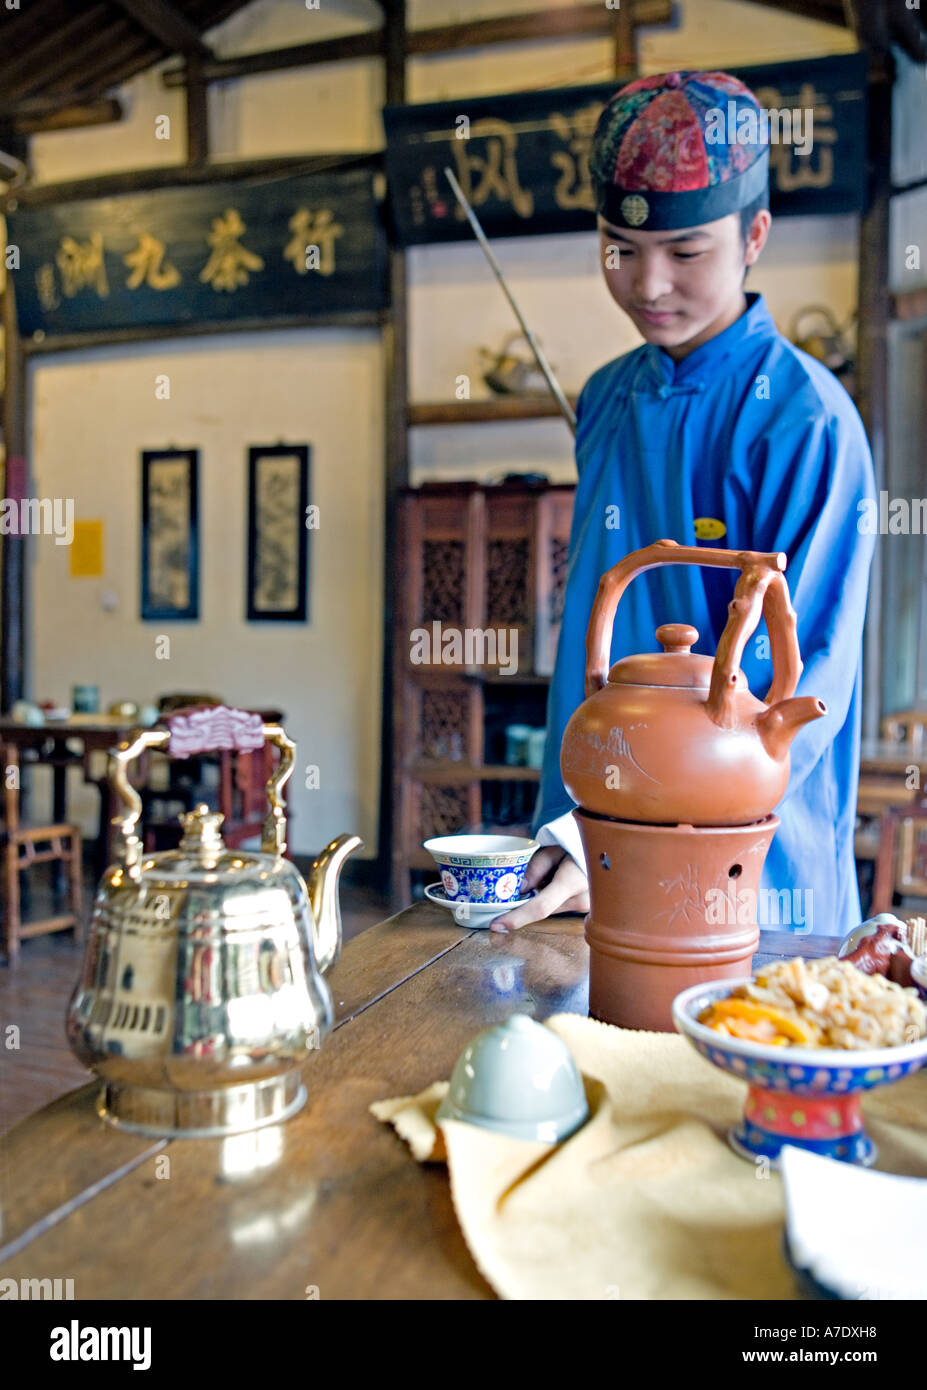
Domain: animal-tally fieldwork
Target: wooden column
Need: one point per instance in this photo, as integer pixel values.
(625, 44)
(197, 113)
(12, 548)
(396, 472)
(872, 352)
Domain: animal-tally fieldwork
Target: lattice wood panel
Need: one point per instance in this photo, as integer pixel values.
(508, 593)
(444, 724)
(443, 810)
(557, 560)
(443, 581)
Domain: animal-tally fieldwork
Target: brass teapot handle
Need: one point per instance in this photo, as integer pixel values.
(761, 590)
(208, 729)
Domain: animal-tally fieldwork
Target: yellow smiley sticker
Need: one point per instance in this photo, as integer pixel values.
(709, 528)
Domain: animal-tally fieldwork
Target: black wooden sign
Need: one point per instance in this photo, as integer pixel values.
(268, 248)
(523, 159)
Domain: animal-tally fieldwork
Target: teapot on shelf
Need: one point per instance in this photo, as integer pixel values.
(507, 373)
(201, 993)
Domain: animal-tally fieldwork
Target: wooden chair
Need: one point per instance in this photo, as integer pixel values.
(243, 779)
(879, 791)
(239, 791)
(901, 865)
(24, 846)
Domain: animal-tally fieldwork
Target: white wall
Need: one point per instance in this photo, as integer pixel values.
(93, 411)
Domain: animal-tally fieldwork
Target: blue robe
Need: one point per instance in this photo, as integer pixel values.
(751, 431)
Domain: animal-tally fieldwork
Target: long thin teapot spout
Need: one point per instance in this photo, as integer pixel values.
(779, 725)
(323, 898)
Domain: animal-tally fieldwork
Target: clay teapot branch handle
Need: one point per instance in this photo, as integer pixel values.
(614, 582)
(761, 590)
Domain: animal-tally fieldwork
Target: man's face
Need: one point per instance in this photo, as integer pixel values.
(680, 288)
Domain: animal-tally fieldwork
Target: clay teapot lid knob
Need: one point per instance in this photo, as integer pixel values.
(677, 637)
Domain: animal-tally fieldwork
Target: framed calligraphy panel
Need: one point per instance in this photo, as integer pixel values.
(523, 159)
(265, 248)
(170, 535)
(278, 522)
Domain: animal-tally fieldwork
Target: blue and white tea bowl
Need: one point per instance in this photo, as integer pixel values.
(482, 868)
(806, 1096)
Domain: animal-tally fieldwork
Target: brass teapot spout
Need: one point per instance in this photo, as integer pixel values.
(778, 725)
(323, 899)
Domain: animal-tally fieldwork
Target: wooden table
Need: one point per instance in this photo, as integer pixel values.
(331, 1199)
(881, 756)
(883, 782)
(883, 775)
(96, 733)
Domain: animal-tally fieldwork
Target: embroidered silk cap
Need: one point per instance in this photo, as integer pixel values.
(679, 150)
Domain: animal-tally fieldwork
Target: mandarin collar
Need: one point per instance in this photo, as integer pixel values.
(660, 374)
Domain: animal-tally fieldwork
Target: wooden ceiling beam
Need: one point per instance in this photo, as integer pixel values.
(94, 56)
(368, 44)
(24, 69)
(124, 62)
(562, 21)
(567, 21)
(824, 11)
(175, 175)
(166, 24)
(70, 117)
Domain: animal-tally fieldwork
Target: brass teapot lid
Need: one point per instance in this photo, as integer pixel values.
(202, 838)
(203, 859)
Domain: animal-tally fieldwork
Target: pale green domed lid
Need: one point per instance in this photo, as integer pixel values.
(517, 1078)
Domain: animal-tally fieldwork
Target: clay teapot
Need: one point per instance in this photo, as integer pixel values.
(672, 737)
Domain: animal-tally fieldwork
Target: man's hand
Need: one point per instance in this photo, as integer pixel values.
(562, 887)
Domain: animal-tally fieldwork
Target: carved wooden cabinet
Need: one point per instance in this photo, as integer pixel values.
(477, 619)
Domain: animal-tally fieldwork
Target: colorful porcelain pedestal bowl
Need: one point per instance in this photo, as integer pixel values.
(809, 1097)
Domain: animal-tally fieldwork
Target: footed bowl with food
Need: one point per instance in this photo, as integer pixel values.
(808, 1037)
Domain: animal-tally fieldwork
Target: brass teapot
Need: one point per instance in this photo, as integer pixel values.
(201, 993)
(671, 737)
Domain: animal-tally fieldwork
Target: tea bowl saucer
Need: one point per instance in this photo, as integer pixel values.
(468, 914)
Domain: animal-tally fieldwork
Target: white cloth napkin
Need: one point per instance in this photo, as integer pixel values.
(860, 1233)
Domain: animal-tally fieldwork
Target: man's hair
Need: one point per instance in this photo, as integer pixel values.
(747, 214)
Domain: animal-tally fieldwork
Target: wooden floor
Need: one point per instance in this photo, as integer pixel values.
(34, 997)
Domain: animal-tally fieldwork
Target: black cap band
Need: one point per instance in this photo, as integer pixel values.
(666, 212)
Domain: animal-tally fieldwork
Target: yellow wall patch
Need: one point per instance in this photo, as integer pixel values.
(87, 550)
(709, 528)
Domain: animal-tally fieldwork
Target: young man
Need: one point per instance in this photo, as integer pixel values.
(716, 431)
